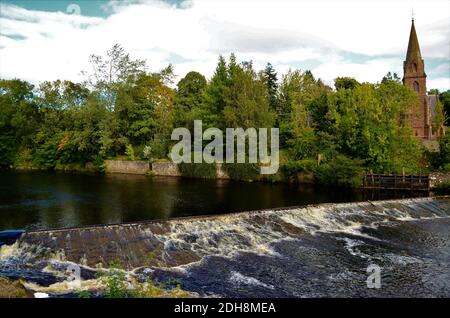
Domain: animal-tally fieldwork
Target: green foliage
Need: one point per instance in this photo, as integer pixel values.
(197, 170)
(114, 281)
(247, 104)
(123, 111)
(190, 99)
(291, 168)
(130, 152)
(270, 78)
(444, 150)
(368, 122)
(443, 188)
(7, 150)
(155, 149)
(341, 171)
(150, 289)
(242, 171)
(24, 158)
(345, 83)
(444, 98)
(83, 294)
(117, 284)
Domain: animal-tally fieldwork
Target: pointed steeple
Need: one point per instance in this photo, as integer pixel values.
(413, 53)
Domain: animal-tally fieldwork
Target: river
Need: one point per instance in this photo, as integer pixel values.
(42, 200)
(319, 250)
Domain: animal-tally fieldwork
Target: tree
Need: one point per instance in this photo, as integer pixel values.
(444, 97)
(345, 83)
(144, 109)
(297, 91)
(391, 77)
(109, 72)
(270, 77)
(216, 95)
(190, 99)
(19, 118)
(247, 101)
(369, 123)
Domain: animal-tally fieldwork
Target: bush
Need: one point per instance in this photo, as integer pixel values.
(23, 158)
(197, 170)
(150, 289)
(242, 171)
(129, 151)
(446, 167)
(341, 171)
(443, 188)
(444, 150)
(114, 281)
(7, 150)
(291, 168)
(46, 154)
(155, 149)
(116, 284)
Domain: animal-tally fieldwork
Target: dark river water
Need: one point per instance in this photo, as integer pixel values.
(40, 200)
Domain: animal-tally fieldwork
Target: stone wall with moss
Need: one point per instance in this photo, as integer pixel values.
(125, 166)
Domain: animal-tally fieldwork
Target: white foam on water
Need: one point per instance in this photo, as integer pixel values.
(222, 236)
(351, 245)
(403, 259)
(238, 278)
(256, 232)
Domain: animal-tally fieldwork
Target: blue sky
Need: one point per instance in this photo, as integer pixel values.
(47, 39)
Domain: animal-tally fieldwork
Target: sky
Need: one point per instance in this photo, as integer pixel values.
(52, 39)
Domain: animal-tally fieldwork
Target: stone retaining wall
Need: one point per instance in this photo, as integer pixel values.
(123, 166)
(165, 168)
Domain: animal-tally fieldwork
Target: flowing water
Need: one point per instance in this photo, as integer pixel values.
(42, 200)
(313, 251)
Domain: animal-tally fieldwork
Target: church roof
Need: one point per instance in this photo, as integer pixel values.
(432, 100)
(413, 53)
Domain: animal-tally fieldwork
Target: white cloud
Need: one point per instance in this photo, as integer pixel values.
(372, 71)
(326, 34)
(442, 83)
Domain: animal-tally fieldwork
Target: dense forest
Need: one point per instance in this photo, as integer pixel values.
(123, 111)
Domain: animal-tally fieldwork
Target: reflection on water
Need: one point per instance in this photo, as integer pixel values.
(37, 200)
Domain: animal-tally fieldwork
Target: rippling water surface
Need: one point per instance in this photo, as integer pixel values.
(314, 251)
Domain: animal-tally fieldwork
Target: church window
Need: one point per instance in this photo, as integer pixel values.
(416, 86)
(414, 67)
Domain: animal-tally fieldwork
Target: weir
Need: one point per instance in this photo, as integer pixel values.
(181, 241)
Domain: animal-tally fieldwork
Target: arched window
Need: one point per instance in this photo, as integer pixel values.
(414, 67)
(416, 86)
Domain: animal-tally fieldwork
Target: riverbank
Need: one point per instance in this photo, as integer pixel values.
(307, 174)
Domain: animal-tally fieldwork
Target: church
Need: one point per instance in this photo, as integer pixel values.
(415, 77)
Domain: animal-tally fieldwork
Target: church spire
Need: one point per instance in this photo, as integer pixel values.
(413, 53)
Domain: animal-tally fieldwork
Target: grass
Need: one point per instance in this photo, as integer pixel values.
(11, 289)
(116, 283)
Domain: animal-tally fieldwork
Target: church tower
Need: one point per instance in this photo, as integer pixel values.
(414, 76)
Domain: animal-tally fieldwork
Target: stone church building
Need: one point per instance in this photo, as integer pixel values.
(415, 77)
